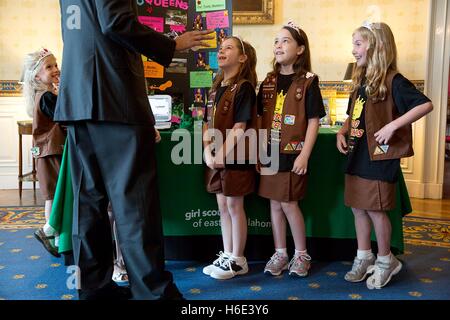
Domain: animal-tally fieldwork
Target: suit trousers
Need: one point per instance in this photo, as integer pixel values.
(116, 162)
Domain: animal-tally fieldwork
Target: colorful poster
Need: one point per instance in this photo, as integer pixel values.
(200, 79)
(156, 23)
(210, 5)
(216, 20)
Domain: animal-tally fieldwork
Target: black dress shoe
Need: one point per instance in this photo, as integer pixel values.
(109, 292)
(172, 293)
(45, 240)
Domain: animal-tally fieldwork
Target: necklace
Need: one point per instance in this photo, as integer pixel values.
(225, 83)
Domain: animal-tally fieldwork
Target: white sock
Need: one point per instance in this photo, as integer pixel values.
(48, 230)
(228, 254)
(282, 251)
(239, 260)
(384, 259)
(56, 240)
(48, 209)
(300, 252)
(364, 254)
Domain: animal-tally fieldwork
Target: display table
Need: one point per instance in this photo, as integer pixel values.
(191, 217)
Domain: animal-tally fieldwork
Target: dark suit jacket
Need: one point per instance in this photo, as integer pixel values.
(102, 76)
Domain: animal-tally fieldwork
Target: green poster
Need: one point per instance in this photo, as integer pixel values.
(201, 79)
(210, 5)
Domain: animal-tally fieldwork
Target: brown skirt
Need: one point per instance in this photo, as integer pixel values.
(373, 195)
(47, 170)
(283, 186)
(232, 183)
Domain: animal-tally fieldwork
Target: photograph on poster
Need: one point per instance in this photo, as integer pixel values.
(178, 65)
(198, 22)
(199, 95)
(176, 18)
(221, 35)
(201, 59)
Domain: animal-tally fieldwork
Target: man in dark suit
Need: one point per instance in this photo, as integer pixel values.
(111, 141)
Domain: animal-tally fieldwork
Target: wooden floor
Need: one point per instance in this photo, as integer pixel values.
(437, 209)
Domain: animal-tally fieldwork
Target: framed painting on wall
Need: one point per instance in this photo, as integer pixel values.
(253, 11)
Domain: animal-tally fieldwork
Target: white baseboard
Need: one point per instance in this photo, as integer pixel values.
(424, 190)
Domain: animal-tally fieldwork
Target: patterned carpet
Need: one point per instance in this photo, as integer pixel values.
(27, 272)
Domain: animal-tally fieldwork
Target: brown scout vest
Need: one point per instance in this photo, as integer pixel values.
(292, 135)
(379, 114)
(223, 118)
(48, 136)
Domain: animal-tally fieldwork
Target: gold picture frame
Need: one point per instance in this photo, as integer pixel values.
(253, 12)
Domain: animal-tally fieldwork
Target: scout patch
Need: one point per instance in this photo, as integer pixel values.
(300, 146)
(384, 147)
(35, 151)
(276, 125)
(289, 120)
(288, 147)
(378, 151)
(277, 117)
(298, 94)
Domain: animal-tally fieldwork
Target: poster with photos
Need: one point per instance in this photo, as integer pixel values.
(190, 69)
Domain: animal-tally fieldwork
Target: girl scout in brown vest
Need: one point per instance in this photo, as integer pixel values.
(290, 103)
(41, 77)
(375, 136)
(231, 111)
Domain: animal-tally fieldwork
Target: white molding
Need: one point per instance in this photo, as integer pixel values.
(421, 190)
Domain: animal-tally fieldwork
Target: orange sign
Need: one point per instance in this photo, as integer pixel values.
(153, 70)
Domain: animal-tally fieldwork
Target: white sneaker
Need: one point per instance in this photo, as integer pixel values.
(382, 273)
(216, 263)
(229, 268)
(360, 269)
(120, 274)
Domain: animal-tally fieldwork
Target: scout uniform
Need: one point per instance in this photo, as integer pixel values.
(372, 169)
(48, 146)
(285, 117)
(238, 176)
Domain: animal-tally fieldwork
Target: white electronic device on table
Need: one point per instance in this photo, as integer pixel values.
(161, 105)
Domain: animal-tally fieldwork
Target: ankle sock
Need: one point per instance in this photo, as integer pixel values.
(364, 254)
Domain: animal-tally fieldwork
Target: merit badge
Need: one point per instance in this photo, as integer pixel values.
(378, 151)
(276, 125)
(288, 147)
(289, 120)
(384, 147)
(300, 146)
(277, 117)
(298, 95)
(35, 151)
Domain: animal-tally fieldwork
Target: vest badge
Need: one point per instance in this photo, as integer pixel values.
(379, 150)
(289, 147)
(35, 152)
(289, 120)
(299, 94)
(300, 146)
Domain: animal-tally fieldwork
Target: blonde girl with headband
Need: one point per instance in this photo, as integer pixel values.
(290, 104)
(374, 137)
(231, 112)
(40, 89)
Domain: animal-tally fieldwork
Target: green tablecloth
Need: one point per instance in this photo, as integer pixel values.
(188, 209)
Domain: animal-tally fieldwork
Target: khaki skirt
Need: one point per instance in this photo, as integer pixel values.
(283, 186)
(232, 183)
(373, 195)
(47, 170)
